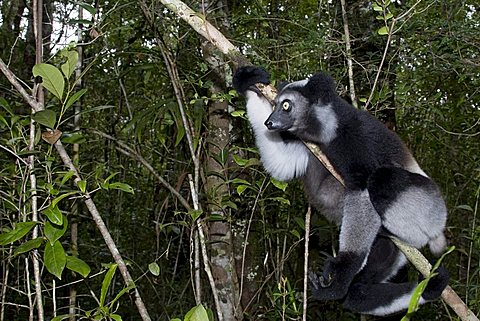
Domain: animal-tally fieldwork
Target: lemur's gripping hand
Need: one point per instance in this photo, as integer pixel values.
(333, 283)
(245, 78)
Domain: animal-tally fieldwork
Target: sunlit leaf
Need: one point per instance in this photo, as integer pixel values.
(52, 78)
(154, 268)
(197, 313)
(383, 31)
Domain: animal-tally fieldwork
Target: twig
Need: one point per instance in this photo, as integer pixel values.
(305, 265)
(348, 52)
(203, 246)
(38, 32)
(384, 56)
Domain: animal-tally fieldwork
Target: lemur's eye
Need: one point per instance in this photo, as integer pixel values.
(286, 105)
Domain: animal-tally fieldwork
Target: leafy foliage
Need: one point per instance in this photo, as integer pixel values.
(427, 90)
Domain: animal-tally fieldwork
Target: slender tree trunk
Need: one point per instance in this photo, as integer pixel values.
(221, 241)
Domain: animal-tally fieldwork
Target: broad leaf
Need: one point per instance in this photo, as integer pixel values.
(55, 232)
(46, 117)
(383, 31)
(154, 268)
(55, 258)
(52, 78)
(69, 66)
(198, 313)
(77, 265)
(54, 215)
(20, 230)
(28, 246)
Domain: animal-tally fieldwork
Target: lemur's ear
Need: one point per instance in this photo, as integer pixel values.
(282, 85)
(320, 87)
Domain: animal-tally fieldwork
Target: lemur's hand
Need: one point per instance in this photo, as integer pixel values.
(246, 77)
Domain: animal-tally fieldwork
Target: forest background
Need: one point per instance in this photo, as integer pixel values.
(154, 201)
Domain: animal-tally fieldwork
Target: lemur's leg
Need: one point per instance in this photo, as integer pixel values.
(360, 226)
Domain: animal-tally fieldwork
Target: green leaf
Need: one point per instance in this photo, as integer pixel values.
(79, 21)
(383, 31)
(106, 283)
(116, 317)
(88, 7)
(82, 185)
(278, 184)
(67, 176)
(54, 233)
(240, 181)
(54, 215)
(52, 78)
(76, 265)
(61, 197)
(464, 207)
(73, 98)
(28, 246)
(154, 268)
(122, 292)
(197, 313)
(295, 233)
(238, 113)
(21, 229)
(240, 161)
(377, 8)
(75, 138)
(241, 189)
(389, 16)
(194, 214)
(69, 66)
(121, 186)
(55, 258)
(46, 117)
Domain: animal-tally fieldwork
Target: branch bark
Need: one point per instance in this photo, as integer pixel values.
(208, 31)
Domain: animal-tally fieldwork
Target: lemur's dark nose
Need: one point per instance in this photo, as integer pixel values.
(269, 124)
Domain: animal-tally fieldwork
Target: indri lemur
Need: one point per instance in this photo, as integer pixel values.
(386, 192)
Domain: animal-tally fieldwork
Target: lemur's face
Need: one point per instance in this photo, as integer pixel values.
(290, 108)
